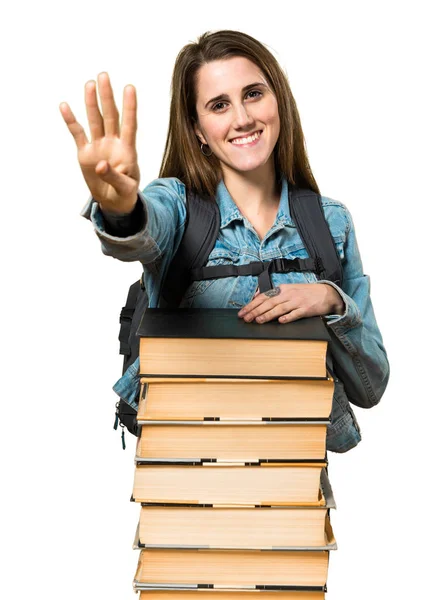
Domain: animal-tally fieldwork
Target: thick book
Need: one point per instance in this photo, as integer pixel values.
(325, 499)
(232, 569)
(216, 343)
(267, 441)
(231, 528)
(202, 399)
(226, 483)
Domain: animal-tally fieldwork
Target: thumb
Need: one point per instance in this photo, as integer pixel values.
(123, 184)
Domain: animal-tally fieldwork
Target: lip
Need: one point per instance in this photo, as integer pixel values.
(246, 135)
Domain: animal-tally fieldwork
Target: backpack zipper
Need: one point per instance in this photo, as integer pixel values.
(116, 424)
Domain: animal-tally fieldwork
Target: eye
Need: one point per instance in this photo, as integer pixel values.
(218, 104)
(255, 92)
(214, 108)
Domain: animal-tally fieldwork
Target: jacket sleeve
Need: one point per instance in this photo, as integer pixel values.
(359, 356)
(126, 224)
(161, 211)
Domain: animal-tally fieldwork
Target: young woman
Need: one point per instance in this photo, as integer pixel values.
(235, 134)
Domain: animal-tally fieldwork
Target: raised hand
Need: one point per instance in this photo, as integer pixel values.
(109, 161)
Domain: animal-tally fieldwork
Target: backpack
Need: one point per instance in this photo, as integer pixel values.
(201, 231)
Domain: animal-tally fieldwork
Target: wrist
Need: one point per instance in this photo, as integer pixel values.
(336, 303)
(339, 307)
(122, 210)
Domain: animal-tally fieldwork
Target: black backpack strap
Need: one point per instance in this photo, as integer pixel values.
(130, 317)
(260, 269)
(199, 238)
(125, 319)
(306, 210)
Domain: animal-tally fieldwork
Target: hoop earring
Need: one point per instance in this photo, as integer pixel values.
(211, 152)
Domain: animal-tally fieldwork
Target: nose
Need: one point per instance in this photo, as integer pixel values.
(242, 116)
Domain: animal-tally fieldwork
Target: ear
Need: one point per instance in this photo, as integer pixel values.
(199, 135)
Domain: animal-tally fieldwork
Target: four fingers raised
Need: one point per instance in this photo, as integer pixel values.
(108, 124)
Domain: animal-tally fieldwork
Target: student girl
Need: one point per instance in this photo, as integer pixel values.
(234, 134)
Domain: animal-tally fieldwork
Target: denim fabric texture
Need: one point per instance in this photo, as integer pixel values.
(356, 345)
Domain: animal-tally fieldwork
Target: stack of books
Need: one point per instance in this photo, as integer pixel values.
(231, 462)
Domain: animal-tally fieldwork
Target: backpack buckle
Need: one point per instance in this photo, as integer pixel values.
(281, 265)
(319, 266)
(126, 315)
(286, 265)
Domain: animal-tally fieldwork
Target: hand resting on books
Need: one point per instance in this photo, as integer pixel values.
(295, 301)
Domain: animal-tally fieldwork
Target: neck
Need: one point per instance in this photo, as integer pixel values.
(253, 192)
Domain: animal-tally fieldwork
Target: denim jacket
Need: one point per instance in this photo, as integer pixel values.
(356, 343)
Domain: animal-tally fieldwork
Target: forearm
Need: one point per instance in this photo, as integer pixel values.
(138, 246)
(360, 358)
(357, 347)
(150, 231)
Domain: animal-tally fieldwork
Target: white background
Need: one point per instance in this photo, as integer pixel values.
(363, 75)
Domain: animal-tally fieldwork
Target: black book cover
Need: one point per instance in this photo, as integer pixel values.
(224, 323)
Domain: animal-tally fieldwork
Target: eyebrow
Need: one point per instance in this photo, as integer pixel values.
(226, 97)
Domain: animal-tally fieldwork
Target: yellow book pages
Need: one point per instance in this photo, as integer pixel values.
(262, 528)
(233, 357)
(238, 399)
(239, 442)
(232, 567)
(220, 484)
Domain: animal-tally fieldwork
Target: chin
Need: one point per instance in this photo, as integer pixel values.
(249, 166)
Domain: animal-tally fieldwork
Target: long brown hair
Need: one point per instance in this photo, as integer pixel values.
(182, 156)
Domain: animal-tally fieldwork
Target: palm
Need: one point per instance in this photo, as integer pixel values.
(109, 161)
(119, 155)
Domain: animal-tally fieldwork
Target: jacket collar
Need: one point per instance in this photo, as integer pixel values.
(229, 211)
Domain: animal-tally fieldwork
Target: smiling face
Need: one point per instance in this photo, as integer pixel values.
(237, 114)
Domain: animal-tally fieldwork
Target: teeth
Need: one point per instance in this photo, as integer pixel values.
(247, 140)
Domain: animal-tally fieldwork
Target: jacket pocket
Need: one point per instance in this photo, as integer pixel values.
(219, 256)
